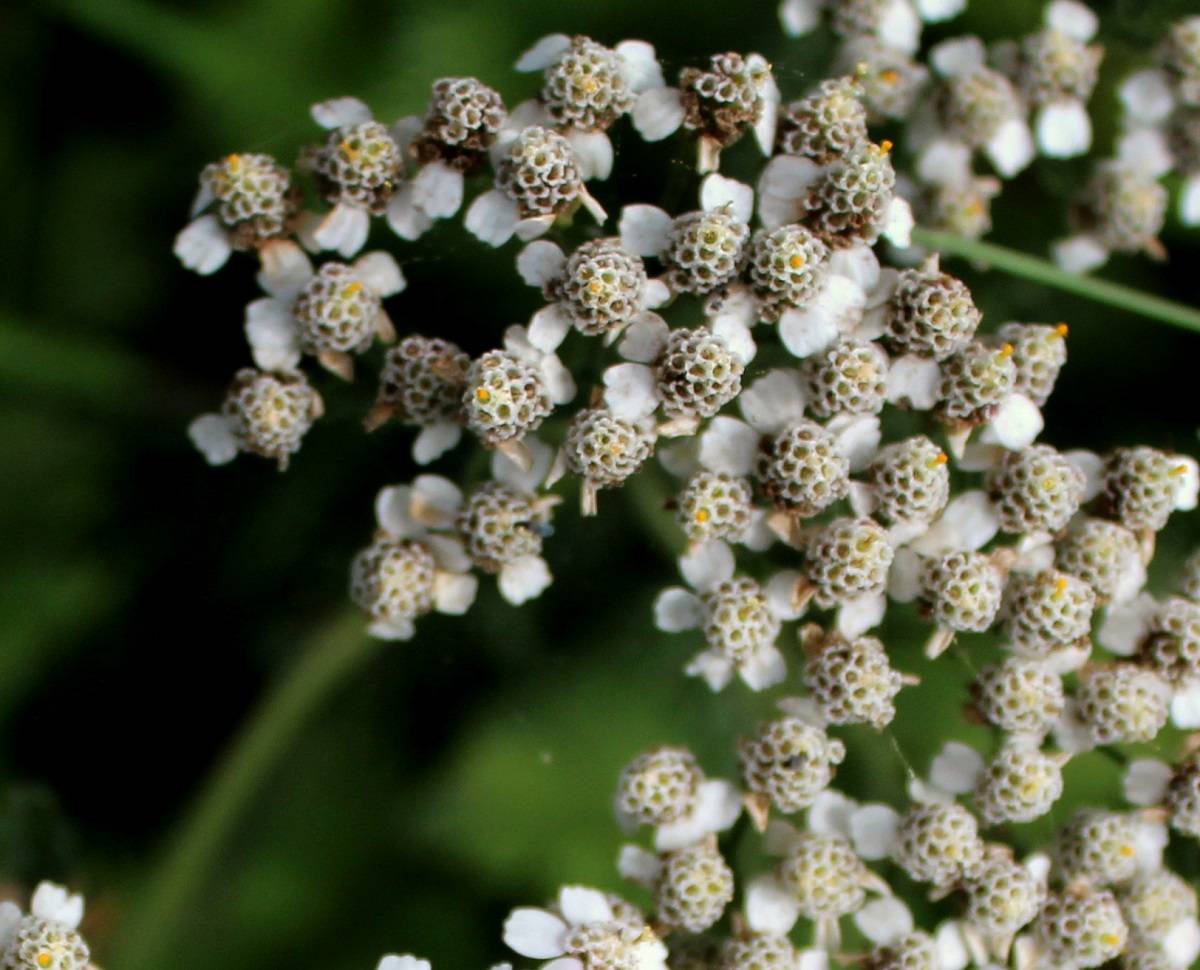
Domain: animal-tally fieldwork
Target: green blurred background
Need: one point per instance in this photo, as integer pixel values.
(147, 602)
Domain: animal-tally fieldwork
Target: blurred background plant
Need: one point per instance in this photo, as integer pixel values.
(148, 603)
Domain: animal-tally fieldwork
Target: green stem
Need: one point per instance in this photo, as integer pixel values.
(1042, 271)
(334, 652)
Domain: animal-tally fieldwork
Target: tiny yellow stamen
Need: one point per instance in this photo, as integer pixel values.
(1062, 329)
(483, 394)
(797, 261)
(1109, 939)
(886, 146)
(350, 290)
(1126, 851)
(703, 515)
(1006, 350)
(890, 76)
(590, 85)
(234, 162)
(349, 150)
(1179, 470)
(44, 959)
(939, 459)
(595, 286)
(1060, 587)
(860, 69)
(974, 207)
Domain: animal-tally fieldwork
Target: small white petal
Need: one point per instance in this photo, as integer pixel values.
(1149, 840)
(899, 26)
(344, 229)
(393, 512)
(1186, 475)
(898, 225)
(904, 578)
(533, 227)
(658, 113)
(935, 11)
(830, 814)
(884, 920)
(656, 294)
(957, 768)
(1015, 425)
(1079, 254)
(645, 339)
(524, 579)
(1146, 97)
(580, 904)
(944, 161)
(435, 440)
(706, 565)
(453, 593)
(438, 500)
(644, 229)
(783, 189)
(736, 335)
(766, 124)
(203, 245)
(728, 446)
(717, 806)
(813, 959)
(1185, 706)
(285, 269)
(380, 273)
(545, 52)
(638, 865)
(406, 129)
(548, 327)
(715, 668)
(969, 522)
(638, 64)
(860, 266)
(1125, 626)
(559, 381)
(1145, 781)
(10, 917)
(769, 907)
(272, 334)
(836, 308)
(873, 830)
(438, 190)
(406, 219)
(780, 592)
(957, 56)
(858, 437)
(806, 708)
(394, 629)
(676, 609)
(1182, 942)
(406, 962)
(952, 953)
(773, 401)
(535, 933)
(763, 669)
(213, 437)
(630, 391)
(864, 500)
(800, 17)
(1072, 18)
(449, 553)
(719, 192)
(1146, 150)
(508, 472)
(1091, 467)
(1064, 129)
(593, 153)
(340, 112)
(1189, 201)
(914, 381)
(52, 902)
(204, 196)
(1011, 148)
(492, 218)
(541, 262)
(855, 617)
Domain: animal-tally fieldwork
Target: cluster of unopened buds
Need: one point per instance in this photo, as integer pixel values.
(880, 446)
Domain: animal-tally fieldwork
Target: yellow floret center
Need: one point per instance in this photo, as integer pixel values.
(44, 958)
(1062, 330)
(703, 515)
(797, 261)
(483, 394)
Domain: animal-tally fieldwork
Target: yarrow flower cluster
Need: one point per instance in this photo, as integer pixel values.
(756, 347)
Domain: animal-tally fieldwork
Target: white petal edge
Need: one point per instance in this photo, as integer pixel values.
(677, 609)
(214, 439)
(492, 218)
(203, 245)
(546, 51)
(769, 907)
(541, 262)
(658, 113)
(534, 933)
